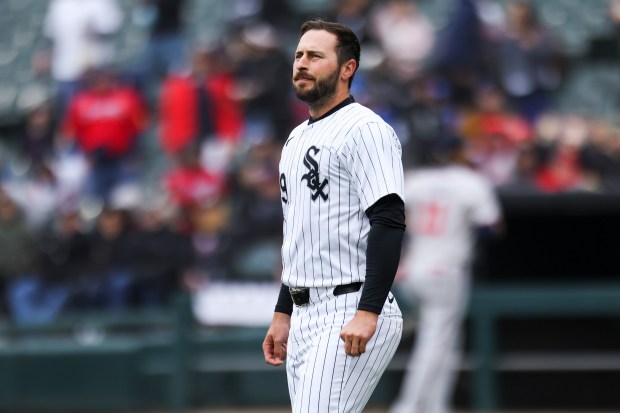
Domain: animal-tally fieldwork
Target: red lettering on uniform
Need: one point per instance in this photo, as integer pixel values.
(430, 219)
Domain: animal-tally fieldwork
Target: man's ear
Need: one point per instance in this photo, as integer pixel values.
(348, 69)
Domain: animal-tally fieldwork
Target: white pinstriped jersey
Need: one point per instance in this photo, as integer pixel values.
(331, 171)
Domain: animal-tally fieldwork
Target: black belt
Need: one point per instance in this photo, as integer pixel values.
(301, 295)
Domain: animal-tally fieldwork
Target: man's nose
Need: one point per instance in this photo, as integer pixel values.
(301, 62)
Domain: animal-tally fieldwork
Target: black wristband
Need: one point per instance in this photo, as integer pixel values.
(285, 301)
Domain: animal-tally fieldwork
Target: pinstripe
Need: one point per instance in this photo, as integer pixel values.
(299, 222)
(344, 370)
(339, 261)
(313, 336)
(293, 361)
(322, 375)
(303, 235)
(382, 174)
(367, 178)
(373, 162)
(329, 238)
(310, 230)
(335, 355)
(317, 336)
(351, 270)
(360, 259)
(316, 370)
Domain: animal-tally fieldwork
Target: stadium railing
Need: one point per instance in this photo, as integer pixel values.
(164, 360)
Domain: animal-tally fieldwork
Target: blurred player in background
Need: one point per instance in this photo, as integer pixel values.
(341, 187)
(81, 35)
(446, 203)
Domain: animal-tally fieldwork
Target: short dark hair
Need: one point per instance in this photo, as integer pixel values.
(348, 46)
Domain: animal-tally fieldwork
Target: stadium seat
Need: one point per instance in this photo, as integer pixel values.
(8, 93)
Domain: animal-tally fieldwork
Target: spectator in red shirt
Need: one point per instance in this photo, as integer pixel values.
(106, 120)
(189, 183)
(494, 134)
(561, 169)
(198, 107)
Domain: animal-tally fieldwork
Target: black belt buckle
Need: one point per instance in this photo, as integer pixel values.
(300, 296)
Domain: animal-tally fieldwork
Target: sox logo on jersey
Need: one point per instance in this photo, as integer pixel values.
(312, 177)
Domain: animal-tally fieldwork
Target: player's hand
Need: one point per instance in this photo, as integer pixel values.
(358, 332)
(274, 346)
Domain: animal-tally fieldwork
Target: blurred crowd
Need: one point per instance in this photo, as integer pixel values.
(86, 224)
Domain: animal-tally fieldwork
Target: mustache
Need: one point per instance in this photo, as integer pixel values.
(303, 76)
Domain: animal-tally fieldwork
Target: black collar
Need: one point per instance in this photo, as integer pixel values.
(341, 105)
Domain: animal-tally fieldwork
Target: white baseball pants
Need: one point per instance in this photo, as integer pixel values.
(321, 377)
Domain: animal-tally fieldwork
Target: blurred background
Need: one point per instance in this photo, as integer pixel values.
(140, 217)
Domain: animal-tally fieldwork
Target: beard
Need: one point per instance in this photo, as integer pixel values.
(322, 90)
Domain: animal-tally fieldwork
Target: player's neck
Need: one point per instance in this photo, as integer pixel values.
(321, 107)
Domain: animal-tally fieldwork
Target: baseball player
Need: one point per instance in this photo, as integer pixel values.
(446, 203)
(341, 180)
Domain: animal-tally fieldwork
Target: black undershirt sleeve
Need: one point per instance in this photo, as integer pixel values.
(387, 220)
(285, 301)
